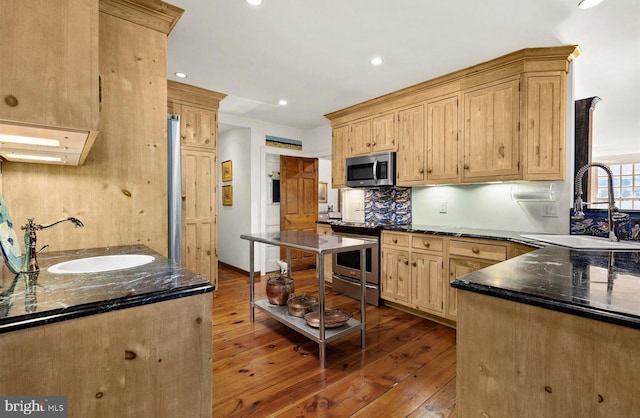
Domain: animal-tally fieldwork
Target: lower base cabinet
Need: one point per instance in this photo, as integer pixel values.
(417, 268)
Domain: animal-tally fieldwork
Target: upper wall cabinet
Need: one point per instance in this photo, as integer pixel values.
(372, 135)
(339, 144)
(49, 78)
(499, 120)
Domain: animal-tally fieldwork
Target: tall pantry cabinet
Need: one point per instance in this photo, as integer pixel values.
(198, 111)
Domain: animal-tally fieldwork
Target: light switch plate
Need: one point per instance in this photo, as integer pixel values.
(443, 207)
(550, 210)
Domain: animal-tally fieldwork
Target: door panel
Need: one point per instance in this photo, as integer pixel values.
(298, 204)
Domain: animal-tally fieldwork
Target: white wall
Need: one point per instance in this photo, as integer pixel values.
(256, 174)
(324, 174)
(235, 145)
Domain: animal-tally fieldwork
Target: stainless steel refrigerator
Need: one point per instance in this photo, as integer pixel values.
(174, 192)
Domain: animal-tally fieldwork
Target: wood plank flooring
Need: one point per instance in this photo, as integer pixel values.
(264, 369)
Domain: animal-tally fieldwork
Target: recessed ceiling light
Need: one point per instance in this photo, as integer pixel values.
(254, 2)
(376, 61)
(181, 75)
(282, 102)
(34, 157)
(587, 4)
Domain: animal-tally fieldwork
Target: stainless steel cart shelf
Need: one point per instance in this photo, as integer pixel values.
(321, 245)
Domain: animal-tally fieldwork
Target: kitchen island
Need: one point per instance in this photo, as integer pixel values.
(551, 333)
(132, 342)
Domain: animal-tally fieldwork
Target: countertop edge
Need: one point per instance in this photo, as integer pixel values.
(94, 308)
(552, 304)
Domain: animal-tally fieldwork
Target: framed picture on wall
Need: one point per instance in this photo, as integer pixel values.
(322, 192)
(227, 171)
(227, 195)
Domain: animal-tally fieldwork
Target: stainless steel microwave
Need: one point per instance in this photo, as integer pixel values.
(371, 170)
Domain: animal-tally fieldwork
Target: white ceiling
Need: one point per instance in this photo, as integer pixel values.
(315, 53)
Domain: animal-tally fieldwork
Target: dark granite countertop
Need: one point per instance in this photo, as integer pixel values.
(27, 301)
(601, 285)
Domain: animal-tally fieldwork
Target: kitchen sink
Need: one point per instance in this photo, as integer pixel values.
(585, 242)
(101, 263)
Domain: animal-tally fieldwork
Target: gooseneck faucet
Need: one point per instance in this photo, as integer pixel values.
(612, 210)
(31, 262)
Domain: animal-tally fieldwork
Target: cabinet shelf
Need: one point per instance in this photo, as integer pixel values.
(281, 314)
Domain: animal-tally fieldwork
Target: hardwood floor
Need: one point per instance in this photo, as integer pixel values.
(262, 369)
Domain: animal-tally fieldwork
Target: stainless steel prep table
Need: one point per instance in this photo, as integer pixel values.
(321, 245)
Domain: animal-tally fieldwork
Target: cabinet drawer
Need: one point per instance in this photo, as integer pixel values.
(398, 239)
(482, 250)
(426, 242)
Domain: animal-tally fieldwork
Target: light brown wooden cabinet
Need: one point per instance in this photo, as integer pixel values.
(372, 135)
(417, 268)
(360, 137)
(198, 111)
(442, 139)
(339, 145)
(491, 132)
(410, 160)
(499, 120)
(49, 76)
(324, 229)
(412, 271)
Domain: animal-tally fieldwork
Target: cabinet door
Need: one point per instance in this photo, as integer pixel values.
(49, 54)
(384, 133)
(545, 128)
(395, 280)
(411, 146)
(491, 140)
(197, 127)
(442, 140)
(198, 216)
(360, 137)
(458, 267)
(339, 144)
(426, 282)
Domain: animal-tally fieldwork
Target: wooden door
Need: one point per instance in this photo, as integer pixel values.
(491, 134)
(426, 282)
(395, 279)
(442, 140)
(384, 133)
(545, 126)
(360, 137)
(298, 204)
(198, 127)
(411, 146)
(458, 267)
(339, 144)
(199, 253)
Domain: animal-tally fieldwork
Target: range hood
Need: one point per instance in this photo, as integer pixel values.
(20, 142)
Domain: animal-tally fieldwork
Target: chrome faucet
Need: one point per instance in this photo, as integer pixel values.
(613, 212)
(31, 262)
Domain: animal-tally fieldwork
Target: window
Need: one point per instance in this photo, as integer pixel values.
(626, 185)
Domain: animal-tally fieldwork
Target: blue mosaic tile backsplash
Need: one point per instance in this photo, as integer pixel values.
(388, 206)
(596, 223)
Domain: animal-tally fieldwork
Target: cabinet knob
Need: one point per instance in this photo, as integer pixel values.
(374, 144)
(466, 166)
(368, 144)
(406, 262)
(421, 170)
(426, 244)
(429, 170)
(395, 241)
(413, 263)
(475, 250)
(184, 197)
(11, 100)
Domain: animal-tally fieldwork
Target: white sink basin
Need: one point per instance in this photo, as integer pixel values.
(102, 263)
(584, 242)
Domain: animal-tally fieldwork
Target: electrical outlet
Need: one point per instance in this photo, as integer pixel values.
(550, 210)
(443, 207)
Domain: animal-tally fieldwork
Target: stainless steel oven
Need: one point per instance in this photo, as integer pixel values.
(346, 265)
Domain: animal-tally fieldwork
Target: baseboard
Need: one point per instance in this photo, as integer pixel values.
(230, 267)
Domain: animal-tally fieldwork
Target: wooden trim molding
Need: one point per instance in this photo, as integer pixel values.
(193, 96)
(152, 14)
(528, 59)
